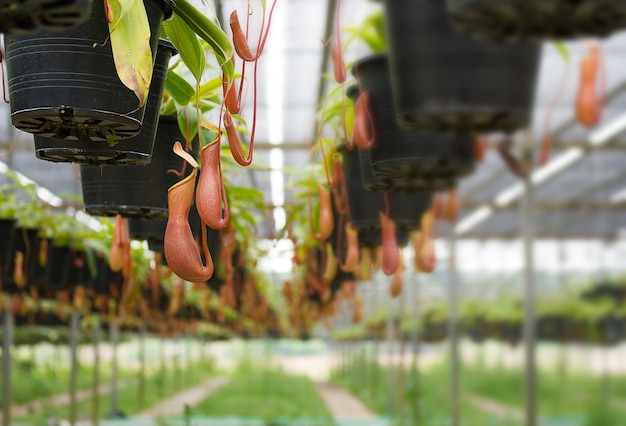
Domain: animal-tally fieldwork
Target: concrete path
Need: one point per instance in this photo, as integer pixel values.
(59, 399)
(342, 404)
(175, 405)
(495, 408)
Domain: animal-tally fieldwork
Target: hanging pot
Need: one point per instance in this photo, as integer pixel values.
(365, 206)
(65, 85)
(99, 282)
(153, 231)
(406, 160)
(510, 20)
(6, 236)
(57, 266)
(25, 16)
(25, 241)
(133, 151)
(136, 191)
(39, 262)
(445, 81)
(76, 271)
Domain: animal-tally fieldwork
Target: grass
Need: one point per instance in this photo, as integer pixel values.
(158, 385)
(28, 383)
(262, 391)
(561, 394)
(418, 398)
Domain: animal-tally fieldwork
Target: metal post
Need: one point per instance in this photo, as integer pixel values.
(95, 386)
(73, 364)
(142, 366)
(7, 341)
(453, 332)
(163, 367)
(113, 336)
(528, 330)
(390, 370)
(376, 349)
(187, 355)
(177, 378)
(400, 372)
(415, 374)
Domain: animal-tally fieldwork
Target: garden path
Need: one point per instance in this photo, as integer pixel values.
(495, 408)
(37, 405)
(175, 405)
(342, 404)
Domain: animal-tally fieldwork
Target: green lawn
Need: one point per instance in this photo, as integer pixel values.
(158, 385)
(561, 394)
(265, 392)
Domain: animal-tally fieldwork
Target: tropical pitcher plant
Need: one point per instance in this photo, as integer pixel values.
(129, 34)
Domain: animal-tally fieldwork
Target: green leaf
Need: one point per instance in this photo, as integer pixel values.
(168, 108)
(179, 88)
(130, 41)
(210, 87)
(210, 32)
(563, 50)
(187, 44)
(188, 123)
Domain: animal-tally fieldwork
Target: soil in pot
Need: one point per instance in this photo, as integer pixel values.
(136, 150)
(407, 160)
(26, 16)
(64, 84)
(446, 81)
(136, 191)
(511, 20)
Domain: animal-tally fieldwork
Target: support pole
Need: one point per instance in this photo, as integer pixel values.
(528, 330)
(177, 357)
(400, 371)
(73, 364)
(163, 368)
(188, 362)
(142, 367)
(453, 331)
(113, 336)
(375, 374)
(7, 341)
(95, 386)
(415, 374)
(390, 370)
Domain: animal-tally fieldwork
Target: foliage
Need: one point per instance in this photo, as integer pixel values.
(261, 391)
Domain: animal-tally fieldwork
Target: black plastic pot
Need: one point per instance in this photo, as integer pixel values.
(57, 266)
(99, 283)
(133, 151)
(510, 20)
(25, 241)
(136, 191)
(38, 264)
(25, 16)
(147, 229)
(76, 271)
(153, 230)
(6, 236)
(446, 81)
(64, 84)
(365, 206)
(407, 160)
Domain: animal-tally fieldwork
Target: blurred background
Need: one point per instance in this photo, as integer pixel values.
(523, 321)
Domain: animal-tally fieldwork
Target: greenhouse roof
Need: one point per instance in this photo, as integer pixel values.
(580, 194)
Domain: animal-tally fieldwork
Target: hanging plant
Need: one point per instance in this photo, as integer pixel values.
(512, 20)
